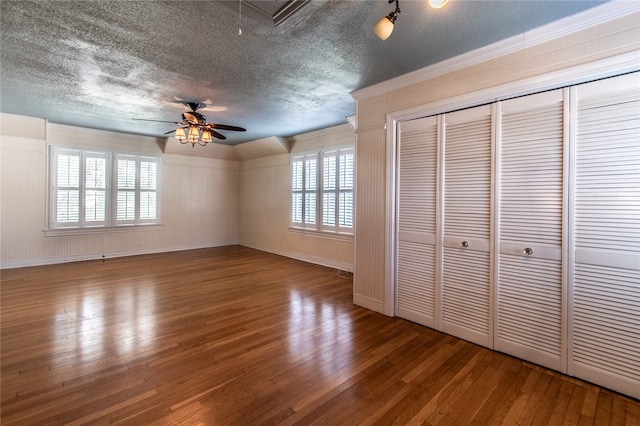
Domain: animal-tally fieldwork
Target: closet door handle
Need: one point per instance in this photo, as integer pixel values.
(528, 251)
(464, 244)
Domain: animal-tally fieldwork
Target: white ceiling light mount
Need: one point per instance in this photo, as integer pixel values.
(384, 27)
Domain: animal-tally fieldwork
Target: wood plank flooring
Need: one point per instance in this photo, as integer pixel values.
(232, 335)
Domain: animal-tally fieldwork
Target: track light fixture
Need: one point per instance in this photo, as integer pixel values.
(384, 27)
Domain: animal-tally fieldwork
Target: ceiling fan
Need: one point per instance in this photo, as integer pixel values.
(194, 127)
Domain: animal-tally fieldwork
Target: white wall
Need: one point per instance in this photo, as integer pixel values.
(199, 196)
(585, 40)
(211, 196)
(265, 202)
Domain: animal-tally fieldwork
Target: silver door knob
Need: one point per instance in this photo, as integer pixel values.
(464, 244)
(528, 251)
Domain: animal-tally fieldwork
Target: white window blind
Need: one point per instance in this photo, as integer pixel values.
(322, 184)
(310, 189)
(148, 188)
(101, 189)
(304, 181)
(126, 198)
(337, 189)
(67, 188)
(95, 189)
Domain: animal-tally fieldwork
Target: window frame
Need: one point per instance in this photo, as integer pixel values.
(319, 225)
(110, 222)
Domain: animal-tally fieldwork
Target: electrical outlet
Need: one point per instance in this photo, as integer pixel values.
(140, 244)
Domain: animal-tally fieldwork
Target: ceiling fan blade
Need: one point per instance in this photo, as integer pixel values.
(217, 135)
(171, 131)
(226, 127)
(194, 118)
(157, 121)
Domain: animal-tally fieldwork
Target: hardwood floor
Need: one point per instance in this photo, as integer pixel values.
(232, 335)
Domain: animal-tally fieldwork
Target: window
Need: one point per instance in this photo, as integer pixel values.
(136, 195)
(322, 190)
(93, 189)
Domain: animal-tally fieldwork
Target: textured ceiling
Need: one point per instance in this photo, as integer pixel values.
(100, 64)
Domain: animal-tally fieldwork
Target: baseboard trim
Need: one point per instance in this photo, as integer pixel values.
(52, 260)
(367, 302)
(329, 263)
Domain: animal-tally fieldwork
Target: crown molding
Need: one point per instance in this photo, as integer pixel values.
(552, 31)
(327, 131)
(616, 65)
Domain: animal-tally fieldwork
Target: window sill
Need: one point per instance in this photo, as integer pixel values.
(336, 236)
(101, 230)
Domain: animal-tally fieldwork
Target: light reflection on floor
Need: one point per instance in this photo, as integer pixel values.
(81, 331)
(330, 347)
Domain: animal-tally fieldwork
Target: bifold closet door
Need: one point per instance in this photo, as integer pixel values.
(416, 221)
(530, 275)
(466, 261)
(605, 314)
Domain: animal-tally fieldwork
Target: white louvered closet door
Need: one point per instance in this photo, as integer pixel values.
(416, 221)
(466, 260)
(605, 316)
(530, 276)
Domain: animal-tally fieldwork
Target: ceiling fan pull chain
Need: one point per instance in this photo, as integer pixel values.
(240, 17)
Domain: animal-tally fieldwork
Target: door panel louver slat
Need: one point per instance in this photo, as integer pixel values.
(467, 215)
(468, 179)
(529, 323)
(606, 287)
(465, 290)
(415, 293)
(530, 312)
(415, 267)
(604, 329)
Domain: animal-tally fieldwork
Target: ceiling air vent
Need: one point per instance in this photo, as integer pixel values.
(274, 12)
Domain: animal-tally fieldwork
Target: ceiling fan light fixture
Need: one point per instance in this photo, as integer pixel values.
(200, 131)
(180, 135)
(206, 137)
(384, 27)
(194, 135)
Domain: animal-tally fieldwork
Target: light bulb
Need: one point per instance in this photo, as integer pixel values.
(437, 4)
(383, 28)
